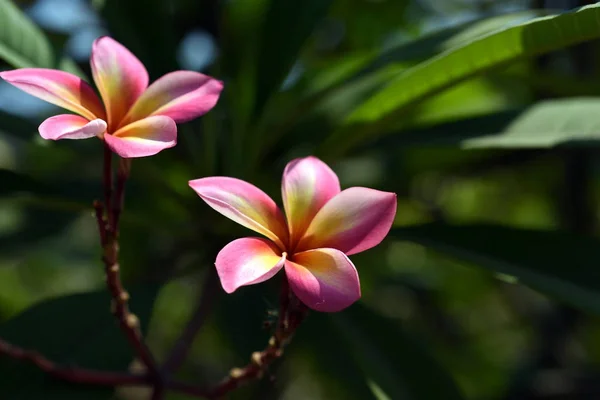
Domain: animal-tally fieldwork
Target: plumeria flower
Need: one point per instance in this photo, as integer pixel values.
(321, 228)
(135, 120)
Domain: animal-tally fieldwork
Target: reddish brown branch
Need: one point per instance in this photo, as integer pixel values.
(291, 314)
(71, 374)
(109, 234)
(107, 176)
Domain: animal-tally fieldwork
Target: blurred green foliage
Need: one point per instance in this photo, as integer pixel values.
(483, 119)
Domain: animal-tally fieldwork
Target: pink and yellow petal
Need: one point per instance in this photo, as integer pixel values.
(120, 77)
(307, 184)
(248, 261)
(245, 204)
(69, 126)
(59, 88)
(323, 279)
(143, 138)
(353, 221)
(181, 95)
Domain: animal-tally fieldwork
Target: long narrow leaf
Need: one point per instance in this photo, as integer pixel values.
(22, 43)
(560, 264)
(455, 65)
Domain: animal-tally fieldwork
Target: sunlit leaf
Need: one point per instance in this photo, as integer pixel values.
(562, 122)
(531, 38)
(22, 43)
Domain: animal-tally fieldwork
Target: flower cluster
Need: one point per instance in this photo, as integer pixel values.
(322, 224)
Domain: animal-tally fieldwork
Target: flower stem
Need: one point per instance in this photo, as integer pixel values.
(108, 226)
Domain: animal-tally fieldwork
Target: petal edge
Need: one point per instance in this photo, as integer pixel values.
(69, 126)
(307, 185)
(323, 279)
(59, 88)
(143, 138)
(247, 261)
(355, 220)
(245, 204)
(181, 95)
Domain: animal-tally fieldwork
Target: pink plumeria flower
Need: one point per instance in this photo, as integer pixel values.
(136, 120)
(322, 226)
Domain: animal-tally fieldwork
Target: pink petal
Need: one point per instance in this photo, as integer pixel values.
(323, 279)
(143, 138)
(248, 261)
(69, 126)
(308, 183)
(245, 204)
(59, 88)
(181, 95)
(120, 77)
(353, 221)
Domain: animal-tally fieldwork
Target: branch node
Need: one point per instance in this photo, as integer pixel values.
(124, 297)
(257, 358)
(236, 373)
(133, 321)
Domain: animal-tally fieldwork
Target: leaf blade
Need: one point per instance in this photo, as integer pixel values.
(22, 43)
(556, 263)
(534, 37)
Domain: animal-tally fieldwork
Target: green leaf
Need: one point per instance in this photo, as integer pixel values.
(446, 39)
(76, 330)
(340, 377)
(559, 264)
(455, 65)
(22, 43)
(287, 26)
(550, 123)
(547, 124)
(395, 364)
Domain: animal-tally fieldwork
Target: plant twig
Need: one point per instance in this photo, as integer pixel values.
(71, 374)
(182, 346)
(113, 205)
(291, 314)
(107, 178)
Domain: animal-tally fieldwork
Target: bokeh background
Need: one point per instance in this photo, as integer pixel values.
(488, 287)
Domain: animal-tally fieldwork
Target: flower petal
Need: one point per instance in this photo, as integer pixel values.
(245, 204)
(308, 183)
(120, 77)
(59, 88)
(181, 95)
(353, 221)
(323, 279)
(248, 261)
(143, 138)
(69, 126)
